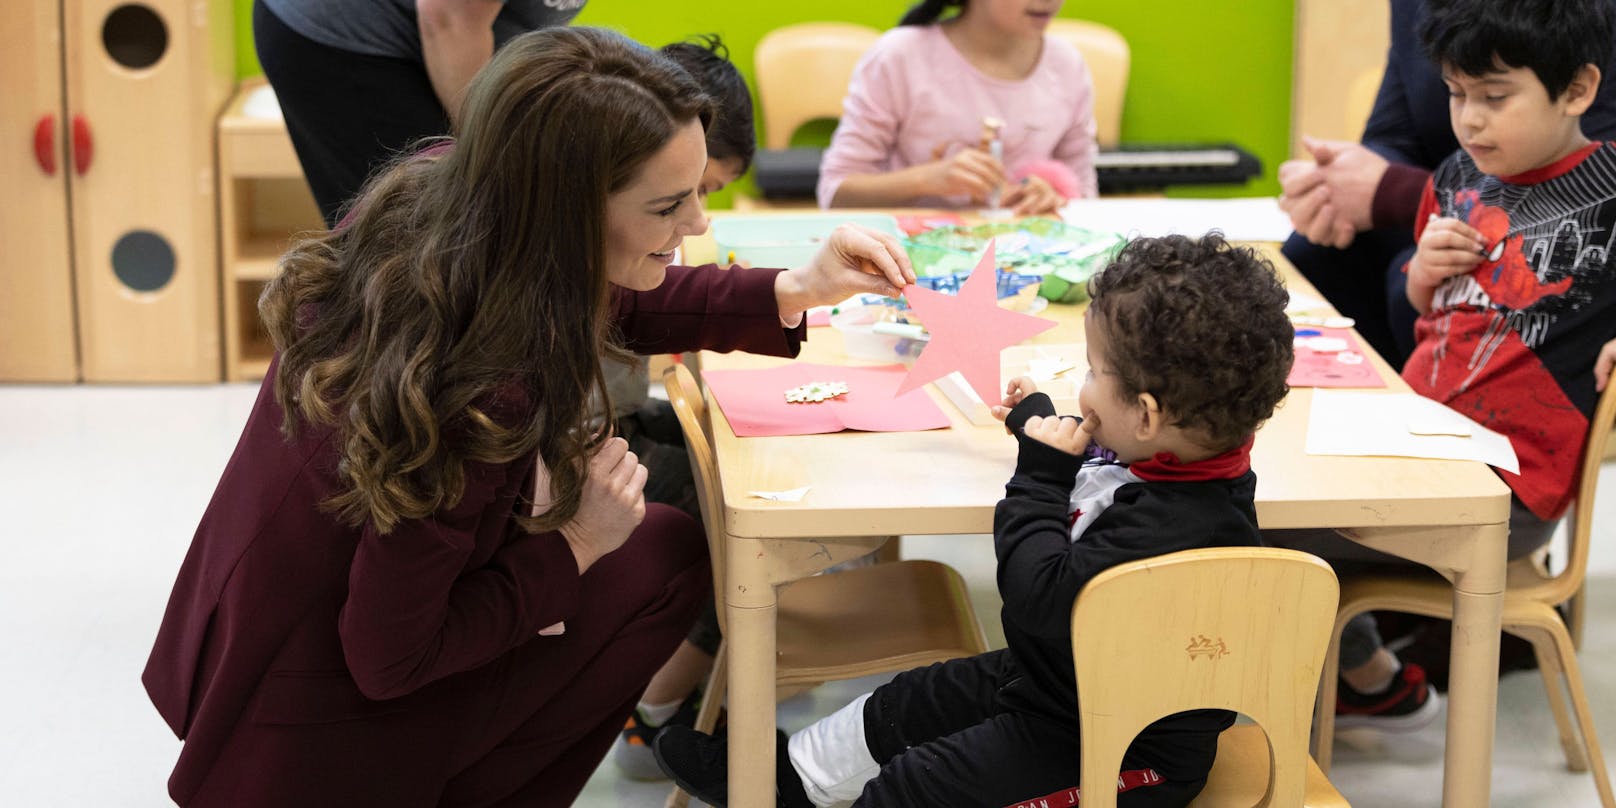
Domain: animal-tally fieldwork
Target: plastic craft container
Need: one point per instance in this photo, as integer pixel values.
(1062, 257)
(864, 337)
(786, 241)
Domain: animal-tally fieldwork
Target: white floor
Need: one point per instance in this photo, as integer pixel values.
(102, 487)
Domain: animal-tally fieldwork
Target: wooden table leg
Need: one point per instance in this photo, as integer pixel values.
(750, 605)
(1478, 603)
(1473, 558)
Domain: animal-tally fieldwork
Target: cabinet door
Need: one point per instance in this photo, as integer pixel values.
(36, 280)
(145, 81)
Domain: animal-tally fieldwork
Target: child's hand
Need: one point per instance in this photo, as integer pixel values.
(1033, 197)
(1603, 365)
(970, 172)
(1019, 388)
(1448, 247)
(1065, 434)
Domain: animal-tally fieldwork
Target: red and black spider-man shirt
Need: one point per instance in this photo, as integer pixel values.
(1512, 343)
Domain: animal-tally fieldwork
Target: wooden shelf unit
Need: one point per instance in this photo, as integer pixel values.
(264, 203)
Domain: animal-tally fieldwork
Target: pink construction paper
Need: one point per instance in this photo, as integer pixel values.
(1317, 369)
(818, 318)
(968, 330)
(754, 401)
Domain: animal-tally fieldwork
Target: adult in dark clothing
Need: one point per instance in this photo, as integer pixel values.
(359, 82)
(424, 579)
(1353, 205)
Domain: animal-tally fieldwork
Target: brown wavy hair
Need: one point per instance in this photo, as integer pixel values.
(461, 312)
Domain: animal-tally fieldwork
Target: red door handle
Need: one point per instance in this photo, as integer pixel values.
(45, 144)
(83, 145)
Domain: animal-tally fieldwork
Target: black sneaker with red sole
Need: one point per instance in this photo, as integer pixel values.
(1408, 704)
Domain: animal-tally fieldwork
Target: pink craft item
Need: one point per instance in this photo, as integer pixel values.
(754, 401)
(968, 330)
(1326, 368)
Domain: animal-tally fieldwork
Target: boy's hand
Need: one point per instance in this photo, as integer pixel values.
(1603, 365)
(1448, 247)
(1019, 388)
(1070, 435)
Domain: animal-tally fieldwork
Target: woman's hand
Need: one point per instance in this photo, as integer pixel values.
(1033, 197)
(855, 260)
(1019, 388)
(1447, 247)
(613, 504)
(1070, 435)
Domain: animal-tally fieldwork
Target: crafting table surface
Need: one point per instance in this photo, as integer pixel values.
(947, 481)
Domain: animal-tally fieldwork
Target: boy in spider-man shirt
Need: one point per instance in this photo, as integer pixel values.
(1512, 275)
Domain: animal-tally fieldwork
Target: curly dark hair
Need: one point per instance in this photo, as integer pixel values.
(1199, 324)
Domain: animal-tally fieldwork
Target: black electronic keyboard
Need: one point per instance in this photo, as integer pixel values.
(1144, 166)
(794, 173)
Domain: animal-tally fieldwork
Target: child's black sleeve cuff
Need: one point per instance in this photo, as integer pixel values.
(1038, 460)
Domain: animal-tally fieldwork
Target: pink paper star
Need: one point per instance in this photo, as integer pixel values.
(968, 331)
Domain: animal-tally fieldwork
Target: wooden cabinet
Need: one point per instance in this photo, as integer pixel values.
(263, 202)
(37, 340)
(115, 197)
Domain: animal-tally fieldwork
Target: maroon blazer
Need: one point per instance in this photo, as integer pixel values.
(281, 614)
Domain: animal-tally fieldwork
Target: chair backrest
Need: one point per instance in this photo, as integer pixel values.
(802, 72)
(1106, 53)
(1580, 530)
(691, 410)
(1232, 628)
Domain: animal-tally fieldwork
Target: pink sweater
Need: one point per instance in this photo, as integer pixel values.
(914, 92)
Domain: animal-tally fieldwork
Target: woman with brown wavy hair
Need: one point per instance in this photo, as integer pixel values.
(374, 610)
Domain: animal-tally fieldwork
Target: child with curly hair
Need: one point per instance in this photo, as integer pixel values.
(1188, 350)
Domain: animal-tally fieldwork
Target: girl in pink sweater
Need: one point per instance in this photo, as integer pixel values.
(912, 125)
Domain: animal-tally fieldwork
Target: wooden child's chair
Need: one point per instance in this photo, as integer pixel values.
(1531, 594)
(802, 72)
(1106, 53)
(1229, 628)
(841, 625)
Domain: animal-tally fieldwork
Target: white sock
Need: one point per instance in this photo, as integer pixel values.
(832, 758)
(656, 715)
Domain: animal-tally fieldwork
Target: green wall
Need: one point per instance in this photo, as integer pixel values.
(1201, 71)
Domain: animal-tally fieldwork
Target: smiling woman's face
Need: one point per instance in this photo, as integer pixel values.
(647, 219)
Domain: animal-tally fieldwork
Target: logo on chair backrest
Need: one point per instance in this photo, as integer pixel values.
(1200, 646)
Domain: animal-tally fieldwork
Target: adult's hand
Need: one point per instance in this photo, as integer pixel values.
(457, 39)
(613, 504)
(854, 260)
(1353, 172)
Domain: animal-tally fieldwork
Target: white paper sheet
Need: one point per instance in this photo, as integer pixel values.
(1241, 219)
(1344, 422)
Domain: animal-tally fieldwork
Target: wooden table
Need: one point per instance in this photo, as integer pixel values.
(1449, 515)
